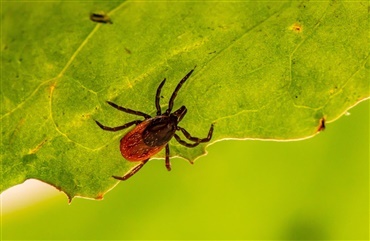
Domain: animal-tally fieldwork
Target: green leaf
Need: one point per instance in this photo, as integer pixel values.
(265, 70)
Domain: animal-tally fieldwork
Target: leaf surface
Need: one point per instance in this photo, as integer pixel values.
(265, 70)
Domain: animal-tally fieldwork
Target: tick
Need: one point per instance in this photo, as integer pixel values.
(152, 134)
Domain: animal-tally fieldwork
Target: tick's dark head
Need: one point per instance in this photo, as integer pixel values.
(179, 114)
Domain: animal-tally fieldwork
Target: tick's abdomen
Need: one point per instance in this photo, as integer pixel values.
(133, 147)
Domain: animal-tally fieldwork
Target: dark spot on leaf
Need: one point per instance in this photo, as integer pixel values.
(128, 51)
(332, 91)
(100, 18)
(20, 59)
(27, 159)
(296, 96)
(212, 52)
(296, 27)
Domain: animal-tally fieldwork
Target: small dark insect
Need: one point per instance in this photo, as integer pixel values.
(153, 133)
(100, 18)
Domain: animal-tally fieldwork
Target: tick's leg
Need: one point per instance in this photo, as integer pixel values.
(184, 143)
(158, 96)
(132, 171)
(168, 163)
(118, 128)
(134, 112)
(174, 94)
(196, 139)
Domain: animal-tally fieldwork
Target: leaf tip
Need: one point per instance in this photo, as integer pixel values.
(100, 196)
(321, 125)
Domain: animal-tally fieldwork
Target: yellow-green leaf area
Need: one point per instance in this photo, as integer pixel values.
(265, 70)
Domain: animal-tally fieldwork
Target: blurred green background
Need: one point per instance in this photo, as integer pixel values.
(312, 189)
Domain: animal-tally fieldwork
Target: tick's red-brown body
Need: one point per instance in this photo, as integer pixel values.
(153, 134)
(133, 147)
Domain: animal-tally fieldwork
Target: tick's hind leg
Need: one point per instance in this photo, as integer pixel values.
(168, 163)
(196, 139)
(127, 110)
(132, 171)
(184, 143)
